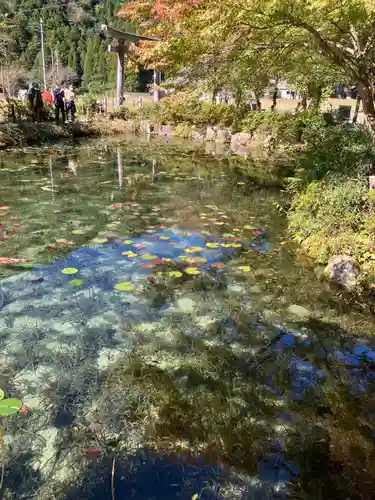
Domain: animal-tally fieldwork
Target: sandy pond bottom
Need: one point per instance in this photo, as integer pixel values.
(165, 339)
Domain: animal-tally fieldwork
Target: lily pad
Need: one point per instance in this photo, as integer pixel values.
(78, 231)
(76, 282)
(69, 270)
(2, 394)
(175, 274)
(10, 406)
(192, 271)
(244, 269)
(124, 286)
(99, 240)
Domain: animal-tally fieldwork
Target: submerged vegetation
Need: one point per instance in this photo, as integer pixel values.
(168, 340)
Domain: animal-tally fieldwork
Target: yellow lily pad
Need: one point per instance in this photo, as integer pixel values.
(244, 269)
(149, 257)
(78, 231)
(201, 260)
(219, 223)
(127, 242)
(165, 238)
(99, 240)
(2, 394)
(129, 253)
(194, 249)
(125, 286)
(212, 245)
(249, 227)
(60, 241)
(192, 270)
(69, 270)
(175, 274)
(228, 235)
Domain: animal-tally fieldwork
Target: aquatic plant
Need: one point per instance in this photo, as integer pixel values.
(9, 406)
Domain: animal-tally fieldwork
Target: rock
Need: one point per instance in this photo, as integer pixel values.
(210, 134)
(197, 136)
(223, 136)
(166, 130)
(146, 127)
(186, 305)
(299, 311)
(342, 270)
(240, 139)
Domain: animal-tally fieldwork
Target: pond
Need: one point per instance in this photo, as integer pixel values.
(162, 338)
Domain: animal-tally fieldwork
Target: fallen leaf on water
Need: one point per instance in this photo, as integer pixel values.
(5, 260)
(218, 265)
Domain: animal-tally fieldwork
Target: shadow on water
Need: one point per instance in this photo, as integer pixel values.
(159, 348)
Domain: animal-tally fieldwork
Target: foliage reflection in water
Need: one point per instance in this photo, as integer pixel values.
(166, 326)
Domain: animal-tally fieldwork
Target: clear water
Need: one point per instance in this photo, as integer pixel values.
(166, 338)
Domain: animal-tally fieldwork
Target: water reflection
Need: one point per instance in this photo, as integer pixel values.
(166, 321)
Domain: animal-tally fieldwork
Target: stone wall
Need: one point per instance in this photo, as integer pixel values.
(239, 143)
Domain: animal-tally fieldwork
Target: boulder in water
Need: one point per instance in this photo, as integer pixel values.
(342, 270)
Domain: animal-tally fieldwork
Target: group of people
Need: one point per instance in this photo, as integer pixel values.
(61, 98)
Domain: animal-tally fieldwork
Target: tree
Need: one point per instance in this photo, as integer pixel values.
(341, 35)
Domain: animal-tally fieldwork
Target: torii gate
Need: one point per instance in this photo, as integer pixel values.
(123, 39)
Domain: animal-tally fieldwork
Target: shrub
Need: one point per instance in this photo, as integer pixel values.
(124, 113)
(184, 108)
(329, 218)
(338, 151)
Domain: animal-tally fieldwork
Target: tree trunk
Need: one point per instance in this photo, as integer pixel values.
(304, 102)
(356, 109)
(367, 97)
(316, 96)
(274, 100)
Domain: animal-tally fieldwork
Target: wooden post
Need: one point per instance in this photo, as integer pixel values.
(120, 74)
(120, 168)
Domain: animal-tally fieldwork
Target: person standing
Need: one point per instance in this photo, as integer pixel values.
(47, 97)
(35, 102)
(70, 105)
(58, 100)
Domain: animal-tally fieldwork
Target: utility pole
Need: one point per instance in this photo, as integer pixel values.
(57, 67)
(53, 70)
(43, 57)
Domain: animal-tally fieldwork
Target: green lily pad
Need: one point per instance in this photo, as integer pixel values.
(2, 394)
(10, 406)
(125, 286)
(76, 282)
(69, 270)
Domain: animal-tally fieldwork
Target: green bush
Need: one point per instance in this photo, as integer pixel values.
(337, 151)
(184, 108)
(329, 218)
(124, 113)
